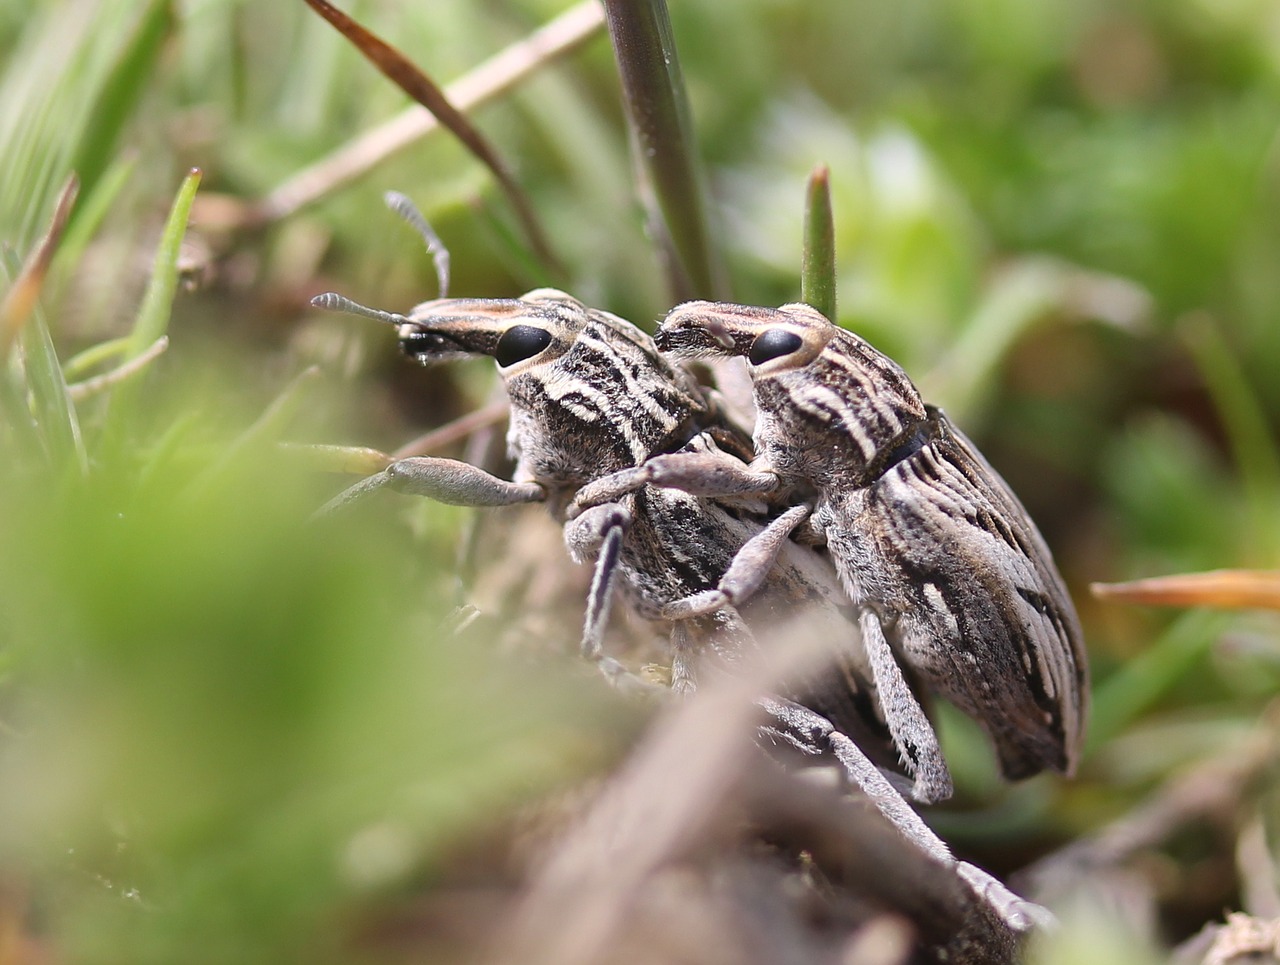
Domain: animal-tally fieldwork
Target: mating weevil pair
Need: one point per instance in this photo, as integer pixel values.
(653, 481)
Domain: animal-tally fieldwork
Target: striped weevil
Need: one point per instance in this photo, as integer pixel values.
(591, 397)
(947, 570)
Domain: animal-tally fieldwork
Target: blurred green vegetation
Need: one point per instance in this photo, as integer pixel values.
(222, 729)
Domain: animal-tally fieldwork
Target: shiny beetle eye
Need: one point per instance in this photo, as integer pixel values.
(773, 344)
(520, 342)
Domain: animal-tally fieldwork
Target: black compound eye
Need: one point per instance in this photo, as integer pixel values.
(520, 342)
(773, 344)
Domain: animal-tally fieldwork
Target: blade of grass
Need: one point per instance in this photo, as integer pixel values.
(264, 432)
(153, 316)
(51, 404)
(1029, 291)
(489, 80)
(126, 370)
(89, 213)
(41, 389)
(129, 79)
(397, 68)
(1250, 439)
(152, 321)
(95, 355)
(20, 299)
(35, 398)
(1142, 681)
(658, 109)
(818, 271)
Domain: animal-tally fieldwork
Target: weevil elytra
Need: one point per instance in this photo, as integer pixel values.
(948, 571)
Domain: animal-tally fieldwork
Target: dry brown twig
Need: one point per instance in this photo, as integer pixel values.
(491, 79)
(681, 825)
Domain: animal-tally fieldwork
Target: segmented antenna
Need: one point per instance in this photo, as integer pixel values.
(333, 302)
(405, 208)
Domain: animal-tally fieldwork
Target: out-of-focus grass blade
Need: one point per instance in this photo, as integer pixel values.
(426, 92)
(265, 431)
(20, 299)
(659, 113)
(485, 82)
(354, 460)
(42, 390)
(89, 215)
(505, 243)
(1223, 589)
(1027, 292)
(1127, 693)
(1252, 444)
(152, 321)
(818, 271)
(153, 316)
(53, 411)
(95, 355)
(130, 77)
(126, 370)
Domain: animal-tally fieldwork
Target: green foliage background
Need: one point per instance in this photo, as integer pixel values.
(224, 732)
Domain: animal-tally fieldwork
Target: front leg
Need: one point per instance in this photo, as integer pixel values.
(746, 572)
(703, 473)
(598, 534)
(444, 480)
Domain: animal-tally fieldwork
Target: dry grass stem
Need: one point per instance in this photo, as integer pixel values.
(489, 80)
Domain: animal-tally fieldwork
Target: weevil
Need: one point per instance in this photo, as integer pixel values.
(591, 397)
(948, 572)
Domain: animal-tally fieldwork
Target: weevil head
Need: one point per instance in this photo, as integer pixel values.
(829, 405)
(590, 394)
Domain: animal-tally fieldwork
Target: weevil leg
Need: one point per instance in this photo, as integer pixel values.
(706, 473)
(444, 480)
(1019, 913)
(599, 534)
(912, 732)
(600, 597)
(458, 483)
(812, 733)
(746, 572)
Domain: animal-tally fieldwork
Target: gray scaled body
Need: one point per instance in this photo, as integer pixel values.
(931, 544)
(591, 397)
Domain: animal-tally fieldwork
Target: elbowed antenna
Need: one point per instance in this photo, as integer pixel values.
(333, 302)
(406, 209)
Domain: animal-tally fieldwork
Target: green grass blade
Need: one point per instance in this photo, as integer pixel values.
(399, 69)
(130, 78)
(1252, 444)
(153, 316)
(1143, 680)
(152, 321)
(818, 272)
(36, 392)
(659, 114)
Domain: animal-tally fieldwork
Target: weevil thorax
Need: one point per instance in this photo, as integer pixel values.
(831, 410)
(590, 394)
